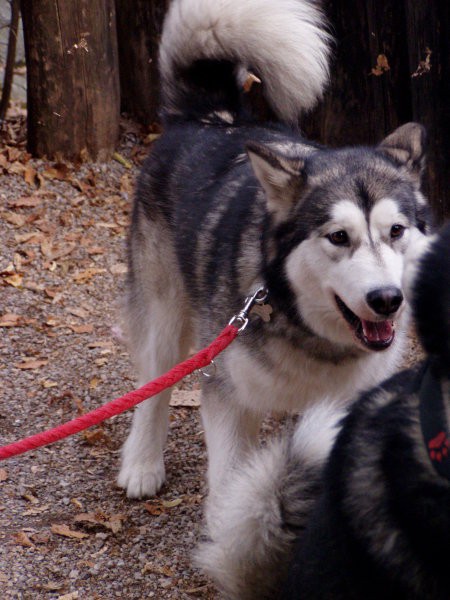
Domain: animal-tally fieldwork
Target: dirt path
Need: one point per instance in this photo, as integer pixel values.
(66, 531)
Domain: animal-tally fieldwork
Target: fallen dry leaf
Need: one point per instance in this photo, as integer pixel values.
(14, 218)
(13, 320)
(13, 153)
(382, 65)
(36, 510)
(52, 322)
(78, 311)
(119, 269)
(35, 237)
(171, 503)
(53, 292)
(159, 570)
(48, 384)
(15, 279)
(154, 509)
(41, 537)
(65, 531)
(107, 225)
(10, 320)
(53, 250)
(21, 539)
(100, 345)
(16, 168)
(94, 383)
(26, 202)
(3, 475)
(30, 498)
(30, 175)
(87, 274)
(58, 171)
(122, 160)
(31, 364)
(69, 596)
(53, 586)
(95, 436)
(101, 362)
(88, 328)
(110, 522)
(151, 137)
(126, 182)
(3, 161)
(185, 398)
(95, 250)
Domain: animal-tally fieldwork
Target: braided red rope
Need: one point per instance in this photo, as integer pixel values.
(119, 405)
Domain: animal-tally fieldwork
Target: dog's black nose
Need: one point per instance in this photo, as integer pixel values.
(385, 301)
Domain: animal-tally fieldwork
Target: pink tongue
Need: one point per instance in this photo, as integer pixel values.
(377, 332)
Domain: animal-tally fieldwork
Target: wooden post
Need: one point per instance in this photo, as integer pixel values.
(72, 78)
(139, 24)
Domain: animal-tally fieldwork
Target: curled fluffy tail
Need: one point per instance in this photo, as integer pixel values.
(253, 524)
(431, 299)
(206, 43)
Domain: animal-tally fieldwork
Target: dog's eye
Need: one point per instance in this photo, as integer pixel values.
(338, 238)
(397, 231)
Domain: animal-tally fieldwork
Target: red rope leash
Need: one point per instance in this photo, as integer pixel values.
(119, 405)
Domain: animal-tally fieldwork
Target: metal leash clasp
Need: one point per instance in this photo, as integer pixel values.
(240, 320)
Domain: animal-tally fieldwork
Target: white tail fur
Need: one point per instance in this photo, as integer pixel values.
(252, 524)
(284, 41)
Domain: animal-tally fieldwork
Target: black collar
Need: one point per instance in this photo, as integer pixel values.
(433, 421)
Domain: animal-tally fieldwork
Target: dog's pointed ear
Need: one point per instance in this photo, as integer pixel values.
(406, 146)
(282, 178)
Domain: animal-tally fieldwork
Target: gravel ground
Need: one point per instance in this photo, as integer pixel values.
(66, 530)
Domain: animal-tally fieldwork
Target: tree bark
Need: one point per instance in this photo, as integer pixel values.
(139, 25)
(72, 78)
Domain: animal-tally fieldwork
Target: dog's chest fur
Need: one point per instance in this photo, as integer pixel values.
(276, 375)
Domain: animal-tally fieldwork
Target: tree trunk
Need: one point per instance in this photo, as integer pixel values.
(72, 78)
(139, 24)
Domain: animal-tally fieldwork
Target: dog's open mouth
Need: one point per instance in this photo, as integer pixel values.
(376, 335)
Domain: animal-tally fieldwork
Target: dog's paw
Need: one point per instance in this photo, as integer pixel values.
(141, 479)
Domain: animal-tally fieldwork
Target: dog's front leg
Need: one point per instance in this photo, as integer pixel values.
(158, 343)
(142, 472)
(231, 430)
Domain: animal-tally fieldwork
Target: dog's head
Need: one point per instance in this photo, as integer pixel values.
(339, 224)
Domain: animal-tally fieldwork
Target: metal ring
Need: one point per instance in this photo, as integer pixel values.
(209, 370)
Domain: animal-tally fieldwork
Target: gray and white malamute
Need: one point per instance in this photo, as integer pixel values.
(225, 205)
(375, 521)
